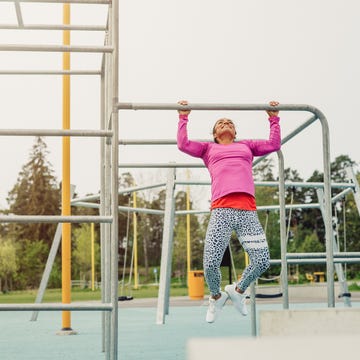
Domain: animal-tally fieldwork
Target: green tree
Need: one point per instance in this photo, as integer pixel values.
(8, 263)
(35, 193)
(312, 244)
(32, 257)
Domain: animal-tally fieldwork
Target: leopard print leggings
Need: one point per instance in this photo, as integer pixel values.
(223, 221)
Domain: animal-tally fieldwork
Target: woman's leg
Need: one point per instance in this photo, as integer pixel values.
(217, 239)
(252, 237)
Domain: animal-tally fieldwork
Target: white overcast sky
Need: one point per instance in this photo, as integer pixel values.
(206, 51)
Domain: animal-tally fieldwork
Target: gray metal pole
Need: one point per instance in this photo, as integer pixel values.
(54, 219)
(348, 255)
(108, 195)
(49, 263)
(52, 27)
(166, 250)
(49, 132)
(56, 48)
(338, 267)
(48, 267)
(327, 207)
(107, 248)
(49, 72)
(283, 235)
(56, 307)
(115, 178)
(105, 2)
(217, 107)
(253, 309)
(103, 185)
(320, 260)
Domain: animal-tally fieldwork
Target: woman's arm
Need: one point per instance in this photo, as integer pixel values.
(263, 147)
(193, 148)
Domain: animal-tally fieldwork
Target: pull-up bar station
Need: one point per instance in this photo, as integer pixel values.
(317, 115)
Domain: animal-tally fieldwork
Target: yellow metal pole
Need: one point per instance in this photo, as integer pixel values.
(66, 209)
(136, 282)
(92, 257)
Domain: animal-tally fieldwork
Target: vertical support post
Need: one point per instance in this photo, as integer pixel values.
(66, 208)
(283, 238)
(115, 179)
(114, 238)
(106, 193)
(135, 245)
(338, 267)
(166, 249)
(92, 257)
(253, 309)
(327, 210)
(102, 188)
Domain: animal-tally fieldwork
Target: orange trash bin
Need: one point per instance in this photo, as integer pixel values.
(196, 284)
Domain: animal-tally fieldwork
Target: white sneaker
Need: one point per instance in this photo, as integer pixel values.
(238, 300)
(215, 306)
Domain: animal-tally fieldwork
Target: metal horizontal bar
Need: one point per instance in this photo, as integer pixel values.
(154, 142)
(322, 255)
(147, 142)
(191, 182)
(293, 206)
(54, 219)
(100, 2)
(121, 191)
(56, 307)
(41, 132)
(227, 107)
(50, 72)
(56, 48)
(121, 208)
(141, 210)
(139, 188)
(276, 184)
(160, 166)
(316, 261)
(259, 208)
(85, 204)
(53, 27)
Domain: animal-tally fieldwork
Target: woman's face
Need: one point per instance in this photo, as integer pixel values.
(224, 127)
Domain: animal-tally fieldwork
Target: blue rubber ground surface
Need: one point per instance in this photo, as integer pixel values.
(139, 336)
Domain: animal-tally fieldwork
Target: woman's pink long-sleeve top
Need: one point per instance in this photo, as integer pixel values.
(230, 166)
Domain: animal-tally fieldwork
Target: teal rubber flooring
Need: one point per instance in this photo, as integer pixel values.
(139, 336)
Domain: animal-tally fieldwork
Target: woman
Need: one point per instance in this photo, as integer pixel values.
(233, 206)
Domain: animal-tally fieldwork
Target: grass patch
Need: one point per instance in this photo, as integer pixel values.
(77, 294)
(354, 287)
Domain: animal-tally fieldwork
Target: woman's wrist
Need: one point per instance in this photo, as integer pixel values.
(274, 118)
(183, 116)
